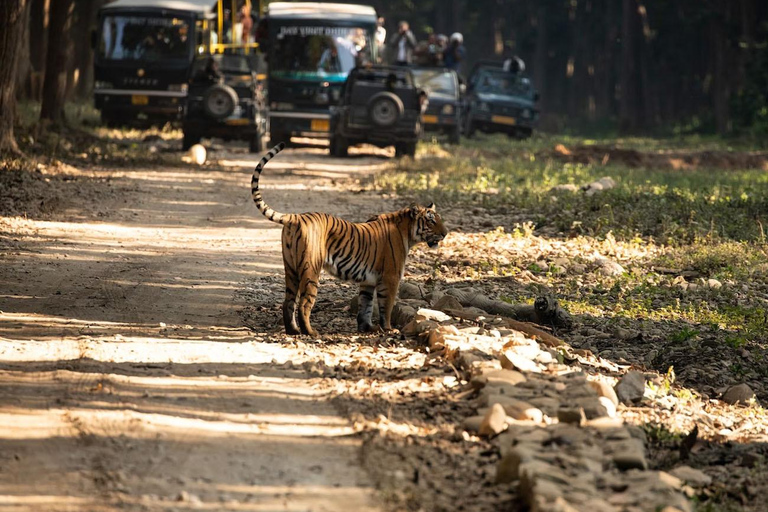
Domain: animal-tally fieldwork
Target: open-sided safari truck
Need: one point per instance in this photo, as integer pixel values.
(189, 60)
(311, 49)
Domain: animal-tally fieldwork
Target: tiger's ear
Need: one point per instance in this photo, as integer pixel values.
(431, 206)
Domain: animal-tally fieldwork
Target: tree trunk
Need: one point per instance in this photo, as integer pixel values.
(22, 67)
(55, 82)
(12, 20)
(541, 57)
(628, 111)
(38, 45)
(720, 91)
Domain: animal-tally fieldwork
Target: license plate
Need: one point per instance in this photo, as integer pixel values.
(320, 125)
(237, 122)
(503, 120)
(139, 100)
(430, 119)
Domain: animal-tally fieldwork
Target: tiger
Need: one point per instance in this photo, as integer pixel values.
(371, 253)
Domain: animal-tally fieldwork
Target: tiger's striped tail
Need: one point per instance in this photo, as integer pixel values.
(274, 216)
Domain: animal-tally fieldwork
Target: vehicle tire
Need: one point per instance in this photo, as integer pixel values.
(219, 101)
(469, 128)
(112, 120)
(256, 143)
(277, 137)
(339, 146)
(385, 109)
(454, 136)
(410, 149)
(524, 133)
(190, 139)
(405, 149)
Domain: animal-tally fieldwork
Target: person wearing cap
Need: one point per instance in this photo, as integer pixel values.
(454, 54)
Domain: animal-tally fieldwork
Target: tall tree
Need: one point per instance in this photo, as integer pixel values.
(12, 20)
(55, 82)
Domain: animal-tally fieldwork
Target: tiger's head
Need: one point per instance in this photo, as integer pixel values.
(427, 226)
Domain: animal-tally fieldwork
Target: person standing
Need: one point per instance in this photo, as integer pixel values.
(453, 56)
(403, 45)
(381, 40)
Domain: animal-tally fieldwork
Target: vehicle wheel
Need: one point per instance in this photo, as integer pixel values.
(256, 143)
(385, 109)
(277, 137)
(339, 146)
(454, 137)
(219, 101)
(190, 139)
(524, 133)
(469, 128)
(410, 149)
(112, 120)
(405, 149)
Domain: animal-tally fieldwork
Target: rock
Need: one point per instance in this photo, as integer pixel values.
(197, 154)
(431, 314)
(504, 376)
(601, 185)
(517, 409)
(740, 393)
(608, 405)
(692, 476)
(630, 388)
(604, 389)
(433, 296)
(494, 421)
(714, 284)
(472, 423)
(629, 454)
(409, 291)
(447, 302)
(546, 404)
(568, 187)
(573, 415)
(417, 327)
(508, 468)
(510, 360)
(609, 267)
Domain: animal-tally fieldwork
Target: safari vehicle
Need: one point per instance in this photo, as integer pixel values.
(380, 105)
(310, 49)
(499, 100)
(143, 53)
(226, 87)
(443, 113)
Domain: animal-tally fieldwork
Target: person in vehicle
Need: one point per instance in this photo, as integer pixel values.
(403, 45)
(453, 56)
(381, 39)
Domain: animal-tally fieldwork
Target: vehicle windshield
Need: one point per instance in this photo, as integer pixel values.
(307, 52)
(435, 81)
(145, 38)
(503, 83)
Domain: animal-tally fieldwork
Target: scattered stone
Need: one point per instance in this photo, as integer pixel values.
(629, 454)
(608, 405)
(472, 423)
(573, 415)
(567, 187)
(630, 388)
(197, 154)
(604, 389)
(431, 314)
(447, 302)
(510, 360)
(508, 468)
(601, 185)
(740, 393)
(494, 421)
(609, 267)
(714, 284)
(504, 376)
(692, 476)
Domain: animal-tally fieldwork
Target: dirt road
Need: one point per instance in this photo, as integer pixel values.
(128, 379)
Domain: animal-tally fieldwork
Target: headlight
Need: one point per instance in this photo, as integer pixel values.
(102, 85)
(178, 87)
(447, 110)
(483, 106)
(527, 113)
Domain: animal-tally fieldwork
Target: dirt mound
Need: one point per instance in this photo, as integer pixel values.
(601, 154)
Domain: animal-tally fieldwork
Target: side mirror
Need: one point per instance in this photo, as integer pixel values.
(93, 39)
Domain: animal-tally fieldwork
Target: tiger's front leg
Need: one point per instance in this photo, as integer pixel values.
(386, 295)
(365, 308)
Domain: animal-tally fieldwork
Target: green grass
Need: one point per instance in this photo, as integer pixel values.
(672, 207)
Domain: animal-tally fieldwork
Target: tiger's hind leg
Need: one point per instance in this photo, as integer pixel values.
(307, 297)
(291, 294)
(365, 308)
(386, 292)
